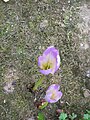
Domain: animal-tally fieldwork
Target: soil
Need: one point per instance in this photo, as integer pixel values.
(27, 28)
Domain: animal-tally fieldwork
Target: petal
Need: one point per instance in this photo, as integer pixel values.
(53, 87)
(58, 60)
(56, 86)
(58, 63)
(48, 96)
(48, 50)
(52, 101)
(52, 61)
(57, 57)
(42, 60)
(58, 95)
(45, 72)
(52, 50)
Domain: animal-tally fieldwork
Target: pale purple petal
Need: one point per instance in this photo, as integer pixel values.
(40, 60)
(46, 72)
(53, 87)
(48, 96)
(56, 86)
(48, 50)
(59, 95)
(8, 88)
(57, 57)
(51, 49)
(58, 62)
(53, 62)
(51, 100)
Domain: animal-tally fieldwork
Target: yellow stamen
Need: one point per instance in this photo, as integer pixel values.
(53, 96)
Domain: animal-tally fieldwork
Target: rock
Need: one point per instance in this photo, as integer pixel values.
(86, 93)
(43, 24)
(8, 88)
(84, 45)
(32, 118)
(5, 0)
(88, 73)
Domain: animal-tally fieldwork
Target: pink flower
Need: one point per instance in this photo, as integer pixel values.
(49, 62)
(53, 94)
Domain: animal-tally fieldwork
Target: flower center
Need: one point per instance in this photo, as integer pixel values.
(53, 96)
(47, 66)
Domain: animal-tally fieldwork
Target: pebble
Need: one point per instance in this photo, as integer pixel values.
(36, 0)
(84, 46)
(31, 118)
(69, 1)
(5, 0)
(4, 101)
(88, 73)
(44, 24)
(8, 88)
(63, 9)
(86, 93)
(39, 47)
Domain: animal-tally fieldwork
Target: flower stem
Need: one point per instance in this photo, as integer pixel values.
(38, 83)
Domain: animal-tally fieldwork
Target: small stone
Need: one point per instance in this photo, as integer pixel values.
(81, 44)
(5, 0)
(84, 46)
(63, 9)
(68, 1)
(86, 93)
(70, 19)
(4, 101)
(32, 118)
(43, 24)
(8, 88)
(57, 1)
(88, 73)
(36, 0)
(39, 47)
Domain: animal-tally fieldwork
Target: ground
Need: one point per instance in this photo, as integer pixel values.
(27, 28)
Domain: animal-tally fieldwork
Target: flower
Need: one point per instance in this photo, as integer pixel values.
(49, 62)
(53, 94)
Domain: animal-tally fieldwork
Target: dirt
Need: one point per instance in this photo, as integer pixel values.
(27, 28)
